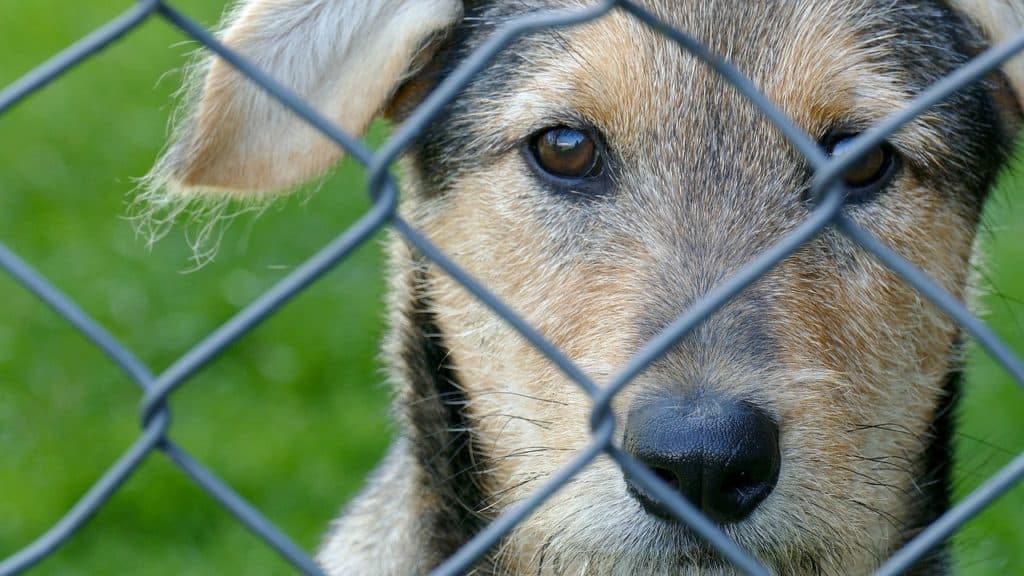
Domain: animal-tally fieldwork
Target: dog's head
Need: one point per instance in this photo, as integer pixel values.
(601, 180)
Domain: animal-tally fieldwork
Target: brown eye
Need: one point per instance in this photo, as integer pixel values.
(566, 153)
(868, 174)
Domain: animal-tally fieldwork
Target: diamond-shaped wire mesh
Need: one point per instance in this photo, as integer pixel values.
(157, 388)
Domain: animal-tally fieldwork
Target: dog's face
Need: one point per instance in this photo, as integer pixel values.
(602, 181)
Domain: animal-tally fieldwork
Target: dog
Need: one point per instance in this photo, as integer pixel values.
(601, 180)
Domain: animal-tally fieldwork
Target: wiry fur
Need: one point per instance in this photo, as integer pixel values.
(858, 369)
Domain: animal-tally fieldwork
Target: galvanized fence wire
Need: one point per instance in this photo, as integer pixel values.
(828, 192)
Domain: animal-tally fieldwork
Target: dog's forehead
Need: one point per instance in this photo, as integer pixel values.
(824, 63)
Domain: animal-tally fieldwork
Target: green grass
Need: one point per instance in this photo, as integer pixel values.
(293, 415)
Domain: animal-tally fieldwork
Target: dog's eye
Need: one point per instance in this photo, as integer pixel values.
(870, 173)
(566, 153)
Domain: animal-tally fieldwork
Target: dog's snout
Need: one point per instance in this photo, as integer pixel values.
(721, 455)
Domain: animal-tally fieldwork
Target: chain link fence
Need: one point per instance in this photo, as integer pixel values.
(157, 388)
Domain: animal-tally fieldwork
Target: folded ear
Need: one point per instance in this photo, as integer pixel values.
(345, 57)
(998, 21)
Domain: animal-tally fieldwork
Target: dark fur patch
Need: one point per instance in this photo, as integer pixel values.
(936, 482)
(973, 126)
(439, 432)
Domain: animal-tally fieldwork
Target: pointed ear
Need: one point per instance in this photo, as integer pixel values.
(998, 21)
(344, 57)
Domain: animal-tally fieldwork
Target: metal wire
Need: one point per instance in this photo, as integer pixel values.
(155, 415)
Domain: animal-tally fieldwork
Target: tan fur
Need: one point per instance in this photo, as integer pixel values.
(861, 357)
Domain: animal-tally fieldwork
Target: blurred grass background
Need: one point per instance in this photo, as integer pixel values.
(294, 415)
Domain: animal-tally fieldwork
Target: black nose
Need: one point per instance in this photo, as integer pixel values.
(721, 455)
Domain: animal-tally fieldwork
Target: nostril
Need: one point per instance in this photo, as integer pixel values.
(668, 476)
(747, 481)
(743, 490)
(738, 482)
